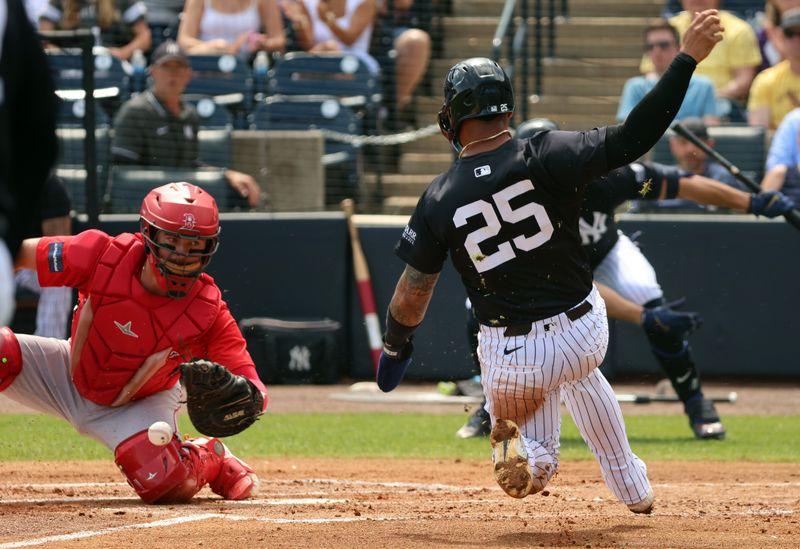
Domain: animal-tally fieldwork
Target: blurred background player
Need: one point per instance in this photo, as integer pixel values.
(144, 306)
(627, 281)
(27, 139)
(54, 304)
(691, 159)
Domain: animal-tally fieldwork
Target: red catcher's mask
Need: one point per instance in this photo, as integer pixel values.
(180, 210)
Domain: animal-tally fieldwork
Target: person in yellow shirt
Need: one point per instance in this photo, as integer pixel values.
(732, 65)
(776, 90)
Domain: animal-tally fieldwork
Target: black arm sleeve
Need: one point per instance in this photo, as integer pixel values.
(652, 116)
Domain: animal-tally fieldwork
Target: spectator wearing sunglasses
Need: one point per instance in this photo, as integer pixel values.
(776, 90)
(662, 44)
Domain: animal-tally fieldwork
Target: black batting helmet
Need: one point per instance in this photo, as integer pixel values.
(474, 88)
(533, 126)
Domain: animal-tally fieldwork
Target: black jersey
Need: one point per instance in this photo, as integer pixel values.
(642, 181)
(509, 220)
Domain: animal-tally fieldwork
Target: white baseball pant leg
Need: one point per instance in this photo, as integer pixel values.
(522, 375)
(628, 272)
(45, 384)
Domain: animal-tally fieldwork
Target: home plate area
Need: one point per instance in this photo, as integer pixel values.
(402, 503)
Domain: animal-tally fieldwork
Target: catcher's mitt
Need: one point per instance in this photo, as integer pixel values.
(220, 403)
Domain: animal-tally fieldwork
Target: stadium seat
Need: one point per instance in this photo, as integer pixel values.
(744, 146)
(212, 115)
(71, 114)
(127, 186)
(109, 72)
(215, 146)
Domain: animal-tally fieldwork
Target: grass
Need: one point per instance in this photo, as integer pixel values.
(750, 438)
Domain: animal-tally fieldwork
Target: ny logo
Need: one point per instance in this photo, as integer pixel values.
(299, 359)
(591, 234)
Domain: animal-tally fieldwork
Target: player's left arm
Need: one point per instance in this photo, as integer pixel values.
(407, 309)
(225, 345)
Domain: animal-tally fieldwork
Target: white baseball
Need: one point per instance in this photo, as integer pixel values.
(160, 433)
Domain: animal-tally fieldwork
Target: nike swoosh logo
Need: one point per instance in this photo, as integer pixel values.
(683, 378)
(514, 350)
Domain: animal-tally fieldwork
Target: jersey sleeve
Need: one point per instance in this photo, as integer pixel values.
(569, 159)
(69, 260)
(419, 246)
(636, 181)
(226, 346)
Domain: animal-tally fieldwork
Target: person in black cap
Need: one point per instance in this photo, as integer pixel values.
(691, 159)
(158, 128)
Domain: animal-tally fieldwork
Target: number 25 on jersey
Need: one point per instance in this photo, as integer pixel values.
(505, 251)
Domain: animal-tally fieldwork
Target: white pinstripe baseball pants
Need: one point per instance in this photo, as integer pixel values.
(628, 272)
(524, 378)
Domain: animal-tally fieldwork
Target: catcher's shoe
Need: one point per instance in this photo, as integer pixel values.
(236, 480)
(478, 425)
(644, 507)
(511, 469)
(703, 418)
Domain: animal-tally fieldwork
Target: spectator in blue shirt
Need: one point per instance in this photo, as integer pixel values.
(662, 44)
(783, 158)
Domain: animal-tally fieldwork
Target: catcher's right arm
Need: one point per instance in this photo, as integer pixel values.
(220, 403)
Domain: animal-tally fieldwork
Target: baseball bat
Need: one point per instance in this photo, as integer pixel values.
(647, 399)
(364, 286)
(792, 217)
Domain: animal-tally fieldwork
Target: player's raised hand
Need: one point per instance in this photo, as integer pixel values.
(702, 35)
(666, 319)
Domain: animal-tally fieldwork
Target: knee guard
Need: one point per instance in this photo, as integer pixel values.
(172, 473)
(10, 358)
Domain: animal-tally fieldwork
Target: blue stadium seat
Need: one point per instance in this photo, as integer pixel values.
(109, 72)
(215, 146)
(212, 115)
(128, 185)
(71, 114)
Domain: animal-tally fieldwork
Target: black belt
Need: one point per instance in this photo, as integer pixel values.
(573, 314)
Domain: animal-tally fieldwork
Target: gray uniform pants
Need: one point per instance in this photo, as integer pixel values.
(45, 384)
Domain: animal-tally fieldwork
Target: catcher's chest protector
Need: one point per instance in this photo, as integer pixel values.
(126, 341)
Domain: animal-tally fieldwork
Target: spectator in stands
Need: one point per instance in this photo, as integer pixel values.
(776, 90)
(732, 65)
(121, 24)
(333, 26)
(770, 34)
(692, 160)
(783, 159)
(662, 44)
(157, 128)
(412, 48)
(215, 27)
(55, 302)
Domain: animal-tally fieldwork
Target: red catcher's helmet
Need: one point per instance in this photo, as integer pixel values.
(181, 210)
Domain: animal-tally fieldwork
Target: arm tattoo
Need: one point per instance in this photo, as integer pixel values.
(412, 296)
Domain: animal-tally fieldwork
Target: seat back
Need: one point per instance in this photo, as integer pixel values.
(220, 75)
(71, 114)
(214, 146)
(744, 146)
(211, 114)
(128, 185)
(335, 74)
(67, 71)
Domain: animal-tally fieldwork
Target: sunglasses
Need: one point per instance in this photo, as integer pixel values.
(663, 45)
(791, 33)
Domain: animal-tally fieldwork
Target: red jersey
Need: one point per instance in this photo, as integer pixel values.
(127, 341)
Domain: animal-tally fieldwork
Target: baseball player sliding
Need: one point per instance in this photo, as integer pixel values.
(628, 282)
(145, 308)
(507, 213)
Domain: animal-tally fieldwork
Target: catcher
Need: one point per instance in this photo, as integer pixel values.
(145, 308)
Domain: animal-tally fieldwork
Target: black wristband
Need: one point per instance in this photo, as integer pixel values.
(396, 334)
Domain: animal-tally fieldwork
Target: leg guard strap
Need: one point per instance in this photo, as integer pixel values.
(10, 358)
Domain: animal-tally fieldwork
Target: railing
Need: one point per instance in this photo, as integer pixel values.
(512, 32)
(84, 39)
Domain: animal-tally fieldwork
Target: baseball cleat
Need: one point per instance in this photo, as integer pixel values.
(644, 507)
(236, 480)
(478, 425)
(511, 469)
(703, 418)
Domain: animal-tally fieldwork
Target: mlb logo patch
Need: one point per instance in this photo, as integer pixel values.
(481, 171)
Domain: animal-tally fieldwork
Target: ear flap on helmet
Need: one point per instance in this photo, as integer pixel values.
(444, 125)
